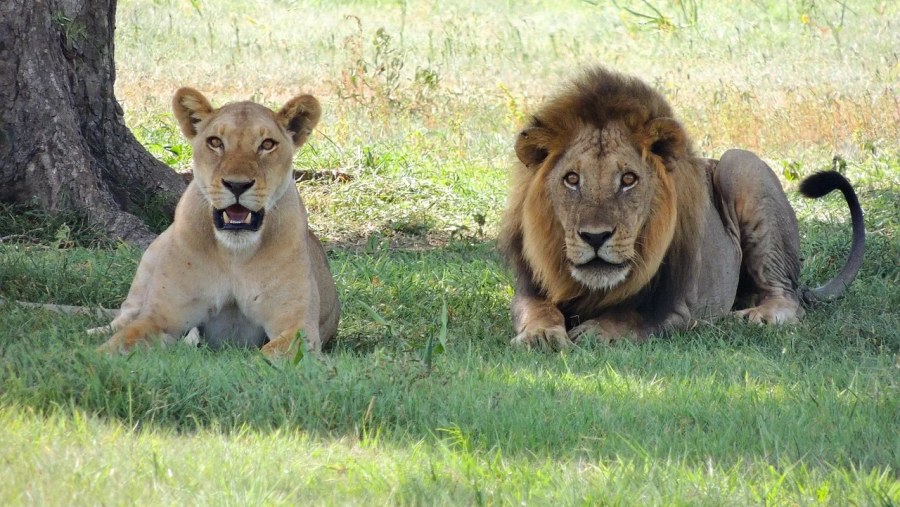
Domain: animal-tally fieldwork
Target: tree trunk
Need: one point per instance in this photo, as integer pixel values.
(64, 145)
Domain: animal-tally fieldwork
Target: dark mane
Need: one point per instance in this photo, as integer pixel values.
(596, 99)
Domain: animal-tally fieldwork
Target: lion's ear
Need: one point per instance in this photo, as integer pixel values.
(190, 108)
(531, 145)
(666, 138)
(299, 116)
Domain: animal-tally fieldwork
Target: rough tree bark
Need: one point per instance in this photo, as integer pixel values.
(63, 141)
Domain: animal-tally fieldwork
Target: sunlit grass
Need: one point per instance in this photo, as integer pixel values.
(80, 459)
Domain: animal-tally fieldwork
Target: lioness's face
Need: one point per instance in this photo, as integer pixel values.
(602, 191)
(242, 157)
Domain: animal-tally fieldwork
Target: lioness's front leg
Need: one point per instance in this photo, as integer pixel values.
(539, 323)
(288, 326)
(142, 331)
(164, 317)
(285, 302)
(163, 301)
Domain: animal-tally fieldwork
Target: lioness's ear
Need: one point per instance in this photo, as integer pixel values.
(666, 138)
(190, 108)
(531, 144)
(299, 116)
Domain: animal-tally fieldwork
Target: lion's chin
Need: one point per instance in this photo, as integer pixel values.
(236, 218)
(598, 274)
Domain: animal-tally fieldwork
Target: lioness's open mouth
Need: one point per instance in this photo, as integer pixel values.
(238, 218)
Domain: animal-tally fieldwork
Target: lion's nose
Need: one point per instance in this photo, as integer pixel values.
(595, 239)
(238, 187)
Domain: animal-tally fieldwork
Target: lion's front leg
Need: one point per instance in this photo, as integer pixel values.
(609, 328)
(539, 324)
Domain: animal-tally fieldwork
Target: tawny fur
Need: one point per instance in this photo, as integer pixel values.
(686, 233)
(267, 286)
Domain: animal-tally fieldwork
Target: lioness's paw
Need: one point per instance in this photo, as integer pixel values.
(283, 348)
(113, 348)
(118, 345)
(552, 338)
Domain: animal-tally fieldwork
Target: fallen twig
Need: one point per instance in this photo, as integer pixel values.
(98, 312)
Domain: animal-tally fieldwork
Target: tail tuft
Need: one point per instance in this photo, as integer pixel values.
(821, 183)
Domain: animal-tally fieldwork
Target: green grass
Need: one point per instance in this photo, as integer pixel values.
(728, 413)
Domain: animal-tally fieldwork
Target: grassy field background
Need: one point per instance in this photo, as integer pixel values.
(421, 104)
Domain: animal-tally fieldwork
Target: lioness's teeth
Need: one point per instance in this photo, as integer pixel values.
(248, 218)
(225, 217)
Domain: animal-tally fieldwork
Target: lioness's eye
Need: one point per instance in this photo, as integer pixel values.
(214, 143)
(571, 179)
(267, 145)
(628, 180)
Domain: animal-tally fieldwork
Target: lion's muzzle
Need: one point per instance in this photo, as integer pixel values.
(598, 263)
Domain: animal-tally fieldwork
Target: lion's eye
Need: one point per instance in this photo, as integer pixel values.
(267, 145)
(628, 180)
(571, 180)
(214, 142)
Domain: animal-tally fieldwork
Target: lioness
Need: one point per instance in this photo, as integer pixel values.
(615, 228)
(239, 260)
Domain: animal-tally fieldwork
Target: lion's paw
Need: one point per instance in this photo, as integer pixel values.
(773, 311)
(591, 328)
(552, 338)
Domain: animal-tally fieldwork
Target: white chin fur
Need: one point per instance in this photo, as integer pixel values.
(597, 281)
(238, 240)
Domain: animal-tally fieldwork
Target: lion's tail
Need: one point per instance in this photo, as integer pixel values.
(818, 185)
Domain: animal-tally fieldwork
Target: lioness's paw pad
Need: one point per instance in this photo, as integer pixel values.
(553, 338)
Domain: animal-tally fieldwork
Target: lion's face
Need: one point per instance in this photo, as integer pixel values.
(602, 191)
(597, 206)
(242, 158)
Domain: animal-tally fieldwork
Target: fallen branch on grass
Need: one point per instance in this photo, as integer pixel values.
(98, 312)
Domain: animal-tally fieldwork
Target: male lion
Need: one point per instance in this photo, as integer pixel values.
(239, 260)
(615, 227)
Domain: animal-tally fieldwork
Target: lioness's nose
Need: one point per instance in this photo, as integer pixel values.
(238, 187)
(595, 239)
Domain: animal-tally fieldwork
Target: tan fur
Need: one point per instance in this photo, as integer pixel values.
(621, 260)
(238, 286)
